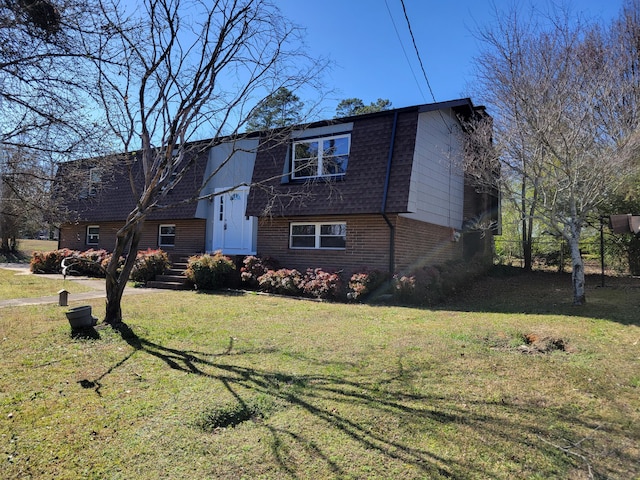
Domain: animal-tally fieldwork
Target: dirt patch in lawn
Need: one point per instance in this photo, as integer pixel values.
(539, 344)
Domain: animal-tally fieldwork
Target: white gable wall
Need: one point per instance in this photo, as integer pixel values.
(436, 192)
(230, 165)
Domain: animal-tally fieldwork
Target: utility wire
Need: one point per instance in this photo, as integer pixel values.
(404, 51)
(415, 46)
(413, 39)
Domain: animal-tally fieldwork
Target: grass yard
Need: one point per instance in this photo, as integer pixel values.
(18, 285)
(28, 245)
(509, 381)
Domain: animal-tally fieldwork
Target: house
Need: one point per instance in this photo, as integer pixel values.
(383, 191)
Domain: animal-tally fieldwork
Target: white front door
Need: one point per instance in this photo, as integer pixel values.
(232, 229)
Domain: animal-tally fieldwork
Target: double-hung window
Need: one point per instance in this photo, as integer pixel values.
(320, 157)
(95, 176)
(93, 234)
(330, 236)
(167, 236)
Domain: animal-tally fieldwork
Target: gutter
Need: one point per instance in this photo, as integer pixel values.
(392, 230)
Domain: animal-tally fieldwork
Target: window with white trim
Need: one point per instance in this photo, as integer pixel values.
(95, 177)
(320, 157)
(329, 236)
(167, 236)
(93, 234)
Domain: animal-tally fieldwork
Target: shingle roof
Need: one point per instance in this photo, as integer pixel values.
(361, 190)
(114, 200)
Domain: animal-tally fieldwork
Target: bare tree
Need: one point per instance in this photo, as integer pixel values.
(47, 112)
(189, 69)
(563, 131)
(24, 197)
(44, 46)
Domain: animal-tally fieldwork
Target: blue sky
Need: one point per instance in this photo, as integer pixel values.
(359, 36)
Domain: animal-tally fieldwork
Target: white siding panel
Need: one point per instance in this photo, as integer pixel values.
(233, 164)
(436, 193)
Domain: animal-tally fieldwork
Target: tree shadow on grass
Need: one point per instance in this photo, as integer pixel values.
(510, 425)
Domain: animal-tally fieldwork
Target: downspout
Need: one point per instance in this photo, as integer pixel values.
(392, 230)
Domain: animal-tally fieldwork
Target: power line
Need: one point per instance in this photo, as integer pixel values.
(403, 50)
(415, 46)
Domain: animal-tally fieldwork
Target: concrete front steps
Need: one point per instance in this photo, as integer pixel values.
(173, 279)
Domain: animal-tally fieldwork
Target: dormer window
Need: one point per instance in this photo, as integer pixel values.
(320, 157)
(95, 176)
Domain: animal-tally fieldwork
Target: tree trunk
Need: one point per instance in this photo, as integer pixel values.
(577, 275)
(126, 246)
(527, 253)
(634, 256)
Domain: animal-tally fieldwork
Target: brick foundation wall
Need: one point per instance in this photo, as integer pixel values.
(416, 244)
(419, 244)
(367, 244)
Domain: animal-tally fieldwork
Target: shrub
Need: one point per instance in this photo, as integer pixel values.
(210, 272)
(430, 285)
(404, 287)
(50, 262)
(107, 259)
(254, 267)
(320, 284)
(89, 263)
(363, 284)
(282, 281)
(148, 264)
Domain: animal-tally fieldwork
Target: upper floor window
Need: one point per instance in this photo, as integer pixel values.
(95, 176)
(320, 157)
(93, 234)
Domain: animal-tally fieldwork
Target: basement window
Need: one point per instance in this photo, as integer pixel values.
(93, 234)
(167, 236)
(325, 236)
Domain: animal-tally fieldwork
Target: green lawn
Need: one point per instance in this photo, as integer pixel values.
(18, 285)
(252, 386)
(28, 246)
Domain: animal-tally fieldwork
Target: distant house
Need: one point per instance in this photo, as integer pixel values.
(384, 191)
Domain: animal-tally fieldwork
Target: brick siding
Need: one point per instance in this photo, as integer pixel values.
(189, 236)
(367, 247)
(419, 244)
(367, 244)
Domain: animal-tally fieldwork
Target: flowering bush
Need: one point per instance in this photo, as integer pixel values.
(89, 263)
(404, 287)
(107, 259)
(254, 267)
(149, 263)
(93, 263)
(362, 284)
(282, 281)
(50, 262)
(320, 284)
(210, 272)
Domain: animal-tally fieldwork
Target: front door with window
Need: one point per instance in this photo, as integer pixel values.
(233, 231)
